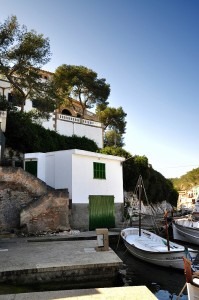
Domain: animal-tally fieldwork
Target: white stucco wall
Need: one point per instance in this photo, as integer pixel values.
(49, 124)
(28, 105)
(63, 170)
(65, 128)
(82, 177)
(50, 169)
(72, 128)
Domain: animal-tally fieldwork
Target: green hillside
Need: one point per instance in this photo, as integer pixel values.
(187, 181)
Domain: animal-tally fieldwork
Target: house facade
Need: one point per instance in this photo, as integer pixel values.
(94, 182)
(66, 120)
(187, 199)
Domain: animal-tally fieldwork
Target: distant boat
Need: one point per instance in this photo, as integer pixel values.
(152, 248)
(185, 229)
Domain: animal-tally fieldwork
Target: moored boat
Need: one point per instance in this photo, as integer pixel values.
(154, 249)
(192, 281)
(186, 229)
(192, 291)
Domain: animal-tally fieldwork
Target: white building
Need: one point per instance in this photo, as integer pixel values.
(64, 121)
(94, 182)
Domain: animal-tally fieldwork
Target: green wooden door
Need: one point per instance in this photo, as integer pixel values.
(31, 167)
(101, 212)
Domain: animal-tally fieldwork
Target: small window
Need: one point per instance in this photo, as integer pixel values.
(35, 103)
(99, 171)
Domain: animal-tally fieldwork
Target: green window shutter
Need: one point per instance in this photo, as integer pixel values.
(99, 170)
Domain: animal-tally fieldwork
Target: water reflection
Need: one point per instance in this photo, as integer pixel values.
(165, 295)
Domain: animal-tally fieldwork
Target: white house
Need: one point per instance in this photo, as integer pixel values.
(65, 121)
(94, 182)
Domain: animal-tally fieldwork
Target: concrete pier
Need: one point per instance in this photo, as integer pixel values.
(72, 260)
(118, 293)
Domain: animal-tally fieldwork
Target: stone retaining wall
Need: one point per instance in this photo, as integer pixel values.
(21, 191)
(49, 213)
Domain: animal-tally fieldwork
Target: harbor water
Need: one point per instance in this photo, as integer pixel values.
(165, 283)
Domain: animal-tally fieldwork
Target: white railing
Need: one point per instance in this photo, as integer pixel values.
(79, 120)
(92, 123)
(69, 118)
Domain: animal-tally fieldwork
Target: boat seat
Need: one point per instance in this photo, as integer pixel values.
(195, 279)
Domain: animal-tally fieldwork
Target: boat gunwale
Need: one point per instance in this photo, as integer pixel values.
(178, 228)
(187, 227)
(160, 252)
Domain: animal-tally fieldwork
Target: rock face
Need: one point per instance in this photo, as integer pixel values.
(150, 209)
(24, 196)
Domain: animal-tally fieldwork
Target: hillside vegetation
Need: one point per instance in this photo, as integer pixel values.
(187, 181)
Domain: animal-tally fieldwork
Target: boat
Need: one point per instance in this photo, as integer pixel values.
(192, 281)
(192, 291)
(153, 248)
(186, 229)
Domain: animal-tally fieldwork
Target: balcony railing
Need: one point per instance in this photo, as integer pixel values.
(79, 120)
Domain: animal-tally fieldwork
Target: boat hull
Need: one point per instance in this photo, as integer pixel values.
(185, 233)
(155, 253)
(192, 291)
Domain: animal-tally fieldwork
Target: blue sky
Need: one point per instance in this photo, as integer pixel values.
(147, 50)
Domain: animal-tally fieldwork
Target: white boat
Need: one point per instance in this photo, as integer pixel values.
(151, 247)
(186, 229)
(154, 249)
(192, 291)
(192, 281)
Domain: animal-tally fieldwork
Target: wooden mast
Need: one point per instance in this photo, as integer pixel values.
(167, 232)
(139, 198)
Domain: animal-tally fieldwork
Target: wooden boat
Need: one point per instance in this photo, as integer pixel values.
(154, 249)
(185, 229)
(192, 281)
(192, 291)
